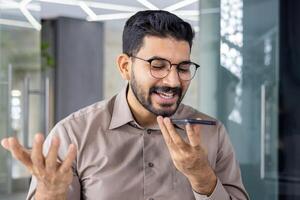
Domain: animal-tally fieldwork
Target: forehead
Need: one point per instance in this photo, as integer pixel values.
(168, 48)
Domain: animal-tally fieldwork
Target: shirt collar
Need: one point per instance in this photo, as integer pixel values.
(121, 112)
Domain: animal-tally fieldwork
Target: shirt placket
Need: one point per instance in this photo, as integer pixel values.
(149, 164)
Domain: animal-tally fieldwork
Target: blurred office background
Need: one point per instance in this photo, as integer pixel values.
(57, 56)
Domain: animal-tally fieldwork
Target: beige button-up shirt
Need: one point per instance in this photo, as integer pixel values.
(118, 159)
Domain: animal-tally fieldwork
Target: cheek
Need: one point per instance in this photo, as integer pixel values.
(143, 80)
(185, 87)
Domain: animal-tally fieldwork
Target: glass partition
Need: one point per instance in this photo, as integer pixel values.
(21, 88)
(239, 55)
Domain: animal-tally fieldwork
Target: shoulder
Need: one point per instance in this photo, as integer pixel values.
(99, 110)
(87, 120)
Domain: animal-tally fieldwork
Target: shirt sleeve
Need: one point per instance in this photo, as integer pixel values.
(218, 193)
(75, 187)
(229, 184)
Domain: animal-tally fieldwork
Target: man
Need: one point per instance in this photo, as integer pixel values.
(127, 147)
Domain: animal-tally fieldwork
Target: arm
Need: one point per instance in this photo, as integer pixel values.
(227, 170)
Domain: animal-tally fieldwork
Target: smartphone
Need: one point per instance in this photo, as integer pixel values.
(193, 121)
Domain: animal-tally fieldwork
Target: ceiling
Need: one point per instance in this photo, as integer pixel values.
(27, 13)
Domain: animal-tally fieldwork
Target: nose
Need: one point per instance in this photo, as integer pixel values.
(172, 79)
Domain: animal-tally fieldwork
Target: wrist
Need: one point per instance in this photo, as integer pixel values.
(204, 185)
(42, 193)
(42, 196)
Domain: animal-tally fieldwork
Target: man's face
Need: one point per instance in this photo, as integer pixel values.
(159, 96)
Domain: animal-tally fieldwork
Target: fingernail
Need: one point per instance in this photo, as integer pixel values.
(2, 140)
(4, 143)
(72, 147)
(167, 119)
(38, 138)
(55, 140)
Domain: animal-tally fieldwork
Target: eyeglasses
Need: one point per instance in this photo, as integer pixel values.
(160, 68)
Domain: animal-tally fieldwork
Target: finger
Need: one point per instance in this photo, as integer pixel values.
(174, 135)
(51, 159)
(19, 152)
(37, 156)
(193, 133)
(67, 163)
(170, 144)
(4, 143)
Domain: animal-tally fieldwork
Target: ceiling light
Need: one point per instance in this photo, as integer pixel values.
(65, 2)
(111, 16)
(28, 15)
(8, 4)
(9, 22)
(24, 3)
(4, 4)
(31, 19)
(148, 4)
(93, 4)
(180, 4)
(87, 9)
(109, 6)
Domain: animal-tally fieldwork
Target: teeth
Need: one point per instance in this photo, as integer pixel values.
(166, 95)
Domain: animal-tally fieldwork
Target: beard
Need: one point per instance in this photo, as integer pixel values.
(145, 99)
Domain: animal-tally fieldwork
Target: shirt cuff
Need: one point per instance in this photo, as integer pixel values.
(218, 193)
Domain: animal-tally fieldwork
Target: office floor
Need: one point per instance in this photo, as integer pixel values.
(15, 196)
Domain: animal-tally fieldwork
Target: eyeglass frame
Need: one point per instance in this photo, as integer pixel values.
(170, 64)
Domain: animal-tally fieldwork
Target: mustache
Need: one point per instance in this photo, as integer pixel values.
(174, 90)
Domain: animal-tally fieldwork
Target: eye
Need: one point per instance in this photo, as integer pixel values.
(159, 64)
(184, 67)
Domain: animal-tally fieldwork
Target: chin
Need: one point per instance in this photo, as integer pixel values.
(165, 112)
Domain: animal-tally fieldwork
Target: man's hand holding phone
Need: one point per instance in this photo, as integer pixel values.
(190, 158)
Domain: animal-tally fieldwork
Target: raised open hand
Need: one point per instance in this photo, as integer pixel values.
(53, 177)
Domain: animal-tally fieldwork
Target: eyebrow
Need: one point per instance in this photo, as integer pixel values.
(160, 58)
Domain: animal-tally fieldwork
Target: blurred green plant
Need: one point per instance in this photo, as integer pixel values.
(46, 59)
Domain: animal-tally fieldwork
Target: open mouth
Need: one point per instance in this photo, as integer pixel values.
(166, 96)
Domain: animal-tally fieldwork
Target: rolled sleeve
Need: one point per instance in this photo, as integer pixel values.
(218, 193)
(229, 183)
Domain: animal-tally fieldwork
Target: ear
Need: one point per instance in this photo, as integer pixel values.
(124, 66)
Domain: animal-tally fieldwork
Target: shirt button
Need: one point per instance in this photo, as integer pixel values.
(150, 164)
(149, 131)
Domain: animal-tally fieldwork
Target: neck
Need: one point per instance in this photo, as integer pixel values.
(142, 116)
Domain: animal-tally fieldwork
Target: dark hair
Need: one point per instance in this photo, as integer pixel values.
(154, 23)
